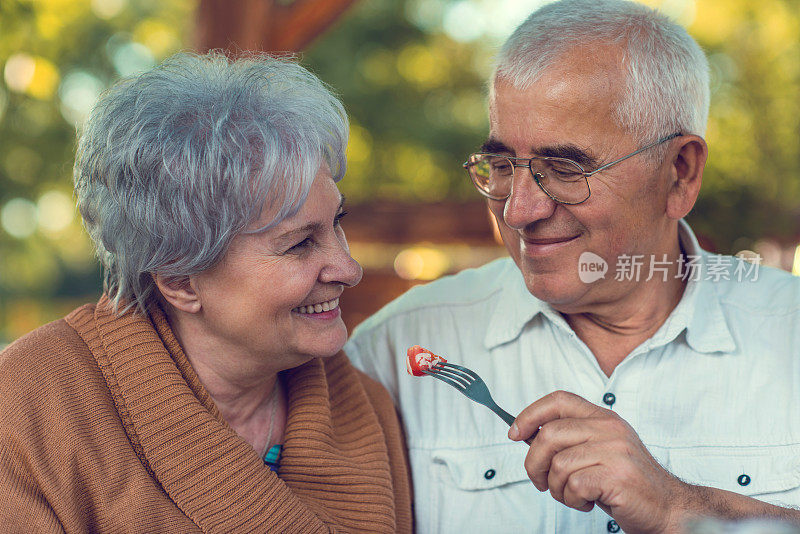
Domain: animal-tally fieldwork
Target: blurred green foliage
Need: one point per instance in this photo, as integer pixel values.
(415, 97)
(56, 56)
(412, 75)
(415, 89)
(752, 182)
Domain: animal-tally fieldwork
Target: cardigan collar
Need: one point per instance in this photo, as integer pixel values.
(212, 474)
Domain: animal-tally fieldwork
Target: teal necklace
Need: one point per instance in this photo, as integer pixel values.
(272, 455)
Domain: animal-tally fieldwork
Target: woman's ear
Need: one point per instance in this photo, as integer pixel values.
(179, 292)
(686, 175)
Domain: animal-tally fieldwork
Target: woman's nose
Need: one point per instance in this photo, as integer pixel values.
(341, 267)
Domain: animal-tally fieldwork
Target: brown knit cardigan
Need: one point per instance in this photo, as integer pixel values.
(105, 427)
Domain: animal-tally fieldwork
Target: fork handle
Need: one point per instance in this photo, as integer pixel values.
(508, 418)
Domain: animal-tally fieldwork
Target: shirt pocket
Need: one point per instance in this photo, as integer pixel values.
(490, 490)
(770, 473)
(481, 468)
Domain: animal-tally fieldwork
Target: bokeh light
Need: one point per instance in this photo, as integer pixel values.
(422, 66)
(465, 21)
(425, 14)
(55, 211)
(157, 36)
(19, 71)
(421, 263)
(108, 9)
(36, 76)
(359, 146)
(471, 20)
(18, 218)
(78, 93)
(132, 58)
(127, 56)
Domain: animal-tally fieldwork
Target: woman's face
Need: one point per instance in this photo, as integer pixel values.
(275, 293)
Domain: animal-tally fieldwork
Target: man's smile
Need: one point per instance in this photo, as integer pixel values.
(548, 240)
(542, 246)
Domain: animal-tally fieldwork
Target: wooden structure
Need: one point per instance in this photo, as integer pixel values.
(264, 25)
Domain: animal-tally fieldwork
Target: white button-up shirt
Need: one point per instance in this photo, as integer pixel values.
(714, 394)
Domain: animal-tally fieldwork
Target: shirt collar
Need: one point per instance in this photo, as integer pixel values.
(515, 308)
(699, 312)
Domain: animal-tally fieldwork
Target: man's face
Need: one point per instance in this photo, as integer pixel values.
(568, 112)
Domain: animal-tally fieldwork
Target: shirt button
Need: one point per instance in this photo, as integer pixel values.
(489, 474)
(610, 399)
(612, 526)
(743, 480)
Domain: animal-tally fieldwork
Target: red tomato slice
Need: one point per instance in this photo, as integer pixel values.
(420, 360)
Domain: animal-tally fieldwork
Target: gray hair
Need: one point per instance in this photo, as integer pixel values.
(172, 164)
(667, 86)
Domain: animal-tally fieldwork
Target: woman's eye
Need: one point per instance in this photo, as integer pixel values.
(309, 241)
(305, 243)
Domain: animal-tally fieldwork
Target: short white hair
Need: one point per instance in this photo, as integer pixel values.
(667, 85)
(175, 162)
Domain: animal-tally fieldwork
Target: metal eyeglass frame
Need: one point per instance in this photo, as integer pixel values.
(537, 176)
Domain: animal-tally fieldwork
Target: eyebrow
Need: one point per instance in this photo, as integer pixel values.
(568, 151)
(494, 146)
(309, 228)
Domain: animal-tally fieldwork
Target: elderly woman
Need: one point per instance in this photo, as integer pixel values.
(206, 390)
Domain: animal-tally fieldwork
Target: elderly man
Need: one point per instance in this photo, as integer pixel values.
(667, 378)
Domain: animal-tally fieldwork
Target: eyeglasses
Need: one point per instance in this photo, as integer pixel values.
(563, 180)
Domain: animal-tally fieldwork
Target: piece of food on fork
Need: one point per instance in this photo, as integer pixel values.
(420, 360)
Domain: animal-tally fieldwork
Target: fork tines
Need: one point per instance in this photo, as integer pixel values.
(455, 375)
(436, 373)
(469, 372)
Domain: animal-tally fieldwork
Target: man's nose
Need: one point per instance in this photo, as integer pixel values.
(527, 203)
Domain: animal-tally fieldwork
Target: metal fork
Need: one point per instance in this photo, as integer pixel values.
(472, 386)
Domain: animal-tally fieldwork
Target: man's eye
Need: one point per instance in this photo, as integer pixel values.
(500, 167)
(339, 217)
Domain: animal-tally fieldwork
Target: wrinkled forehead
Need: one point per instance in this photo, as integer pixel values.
(591, 65)
(577, 94)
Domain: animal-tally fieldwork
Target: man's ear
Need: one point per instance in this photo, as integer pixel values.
(178, 292)
(686, 175)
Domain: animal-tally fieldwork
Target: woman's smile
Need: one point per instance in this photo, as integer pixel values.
(321, 310)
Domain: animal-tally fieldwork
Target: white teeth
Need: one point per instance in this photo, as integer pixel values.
(318, 308)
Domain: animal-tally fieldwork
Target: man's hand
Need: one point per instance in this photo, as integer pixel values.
(587, 455)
